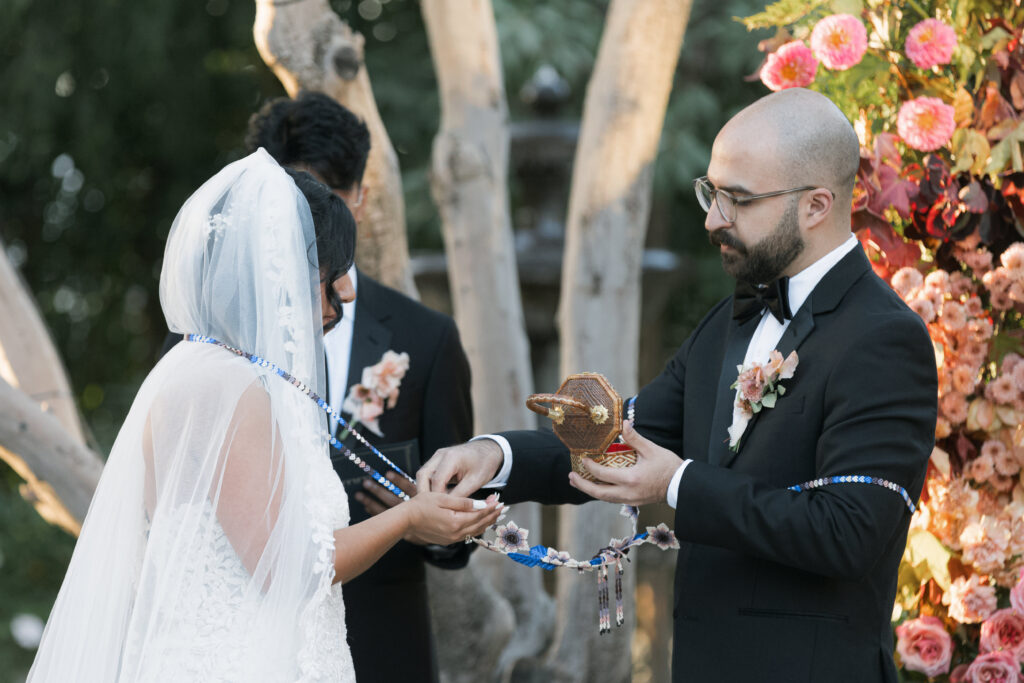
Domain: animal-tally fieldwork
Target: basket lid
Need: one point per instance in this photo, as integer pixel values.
(592, 430)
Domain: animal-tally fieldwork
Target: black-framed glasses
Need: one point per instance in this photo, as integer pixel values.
(708, 194)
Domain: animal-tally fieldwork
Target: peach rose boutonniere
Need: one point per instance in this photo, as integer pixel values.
(758, 387)
(378, 390)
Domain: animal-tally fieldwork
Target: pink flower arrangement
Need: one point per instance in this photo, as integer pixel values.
(791, 66)
(930, 43)
(924, 645)
(378, 390)
(758, 388)
(839, 41)
(926, 123)
(993, 667)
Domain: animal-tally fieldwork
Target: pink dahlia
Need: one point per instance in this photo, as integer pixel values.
(930, 43)
(791, 66)
(926, 123)
(839, 41)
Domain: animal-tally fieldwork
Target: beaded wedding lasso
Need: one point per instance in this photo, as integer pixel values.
(326, 407)
(511, 539)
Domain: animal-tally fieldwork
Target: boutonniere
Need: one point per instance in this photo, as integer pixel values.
(759, 387)
(378, 390)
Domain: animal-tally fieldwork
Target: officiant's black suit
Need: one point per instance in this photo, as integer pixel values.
(771, 584)
(386, 606)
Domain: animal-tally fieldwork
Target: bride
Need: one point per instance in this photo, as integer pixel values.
(218, 537)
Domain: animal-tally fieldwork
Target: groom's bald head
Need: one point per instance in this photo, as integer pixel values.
(809, 139)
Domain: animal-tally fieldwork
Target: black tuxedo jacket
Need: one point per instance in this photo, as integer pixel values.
(386, 606)
(771, 584)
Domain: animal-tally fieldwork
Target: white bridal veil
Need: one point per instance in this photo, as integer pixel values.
(207, 553)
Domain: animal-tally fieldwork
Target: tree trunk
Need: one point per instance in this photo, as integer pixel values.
(308, 47)
(28, 359)
(469, 178)
(608, 210)
(41, 433)
(60, 473)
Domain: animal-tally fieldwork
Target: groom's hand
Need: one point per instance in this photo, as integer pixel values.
(466, 468)
(376, 499)
(645, 482)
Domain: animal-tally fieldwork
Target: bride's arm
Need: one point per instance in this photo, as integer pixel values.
(431, 517)
(248, 489)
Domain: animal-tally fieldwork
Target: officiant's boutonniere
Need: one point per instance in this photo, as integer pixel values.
(378, 390)
(759, 388)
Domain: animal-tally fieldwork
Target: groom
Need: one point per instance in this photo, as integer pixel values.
(771, 584)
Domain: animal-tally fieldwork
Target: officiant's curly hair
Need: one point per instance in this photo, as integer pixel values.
(315, 132)
(335, 234)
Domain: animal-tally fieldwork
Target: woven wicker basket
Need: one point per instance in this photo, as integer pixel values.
(586, 415)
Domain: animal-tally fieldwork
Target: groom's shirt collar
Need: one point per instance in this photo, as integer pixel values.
(803, 283)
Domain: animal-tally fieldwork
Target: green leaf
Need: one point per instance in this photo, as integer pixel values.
(1004, 343)
(907, 584)
(1007, 152)
(768, 400)
(781, 390)
(929, 558)
(755, 407)
(781, 13)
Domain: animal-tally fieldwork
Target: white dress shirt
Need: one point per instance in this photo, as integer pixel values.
(766, 337)
(338, 348)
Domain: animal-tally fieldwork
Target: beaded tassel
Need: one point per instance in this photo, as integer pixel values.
(619, 618)
(604, 623)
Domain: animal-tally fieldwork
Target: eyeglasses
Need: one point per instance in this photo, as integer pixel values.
(708, 194)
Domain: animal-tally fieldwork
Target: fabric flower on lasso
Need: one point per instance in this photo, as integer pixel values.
(926, 123)
(512, 539)
(791, 66)
(663, 537)
(930, 43)
(839, 41)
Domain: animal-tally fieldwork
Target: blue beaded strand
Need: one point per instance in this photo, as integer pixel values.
(327, 408)
(857, 479)
(824, 481)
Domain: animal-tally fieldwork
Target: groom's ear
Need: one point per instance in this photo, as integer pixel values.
(815, 207)
(359, 211)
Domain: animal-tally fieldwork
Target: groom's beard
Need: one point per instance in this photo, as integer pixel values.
(765, 260)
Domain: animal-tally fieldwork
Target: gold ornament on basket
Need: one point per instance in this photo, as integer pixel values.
(586, 415)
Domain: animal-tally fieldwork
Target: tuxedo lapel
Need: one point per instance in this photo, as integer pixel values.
(735, 350)
(824, 299)
(370, 337)
(799, 327)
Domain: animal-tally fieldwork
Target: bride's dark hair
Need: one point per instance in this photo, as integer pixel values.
(335, 234)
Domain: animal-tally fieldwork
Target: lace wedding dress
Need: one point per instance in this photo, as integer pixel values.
(207, 554)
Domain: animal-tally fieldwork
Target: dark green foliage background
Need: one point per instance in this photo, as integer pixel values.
(113, 112)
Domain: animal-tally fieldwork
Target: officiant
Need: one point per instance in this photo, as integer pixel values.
(395, 368)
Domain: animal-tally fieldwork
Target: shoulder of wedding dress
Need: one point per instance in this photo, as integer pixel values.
(198, 368)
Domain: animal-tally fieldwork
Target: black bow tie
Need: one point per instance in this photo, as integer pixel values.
(750, 300)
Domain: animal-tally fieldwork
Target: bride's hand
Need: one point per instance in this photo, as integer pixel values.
(444, 519)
